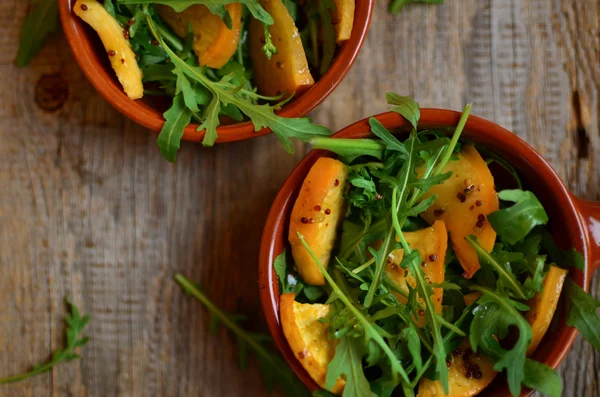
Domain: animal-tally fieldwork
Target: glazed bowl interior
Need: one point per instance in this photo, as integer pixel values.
(91, 57)
(536, 174)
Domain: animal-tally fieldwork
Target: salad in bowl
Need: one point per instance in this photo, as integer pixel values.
(426, 266)
(208, 70)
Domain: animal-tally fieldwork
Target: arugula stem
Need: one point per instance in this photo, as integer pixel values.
(190, 288)
(364, 266)
(457, 132)
(172, 39)
(488, 259)
(408, 165)
(349, 147)
(370, 332)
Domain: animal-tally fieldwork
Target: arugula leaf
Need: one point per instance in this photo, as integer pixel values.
(217, 7)
(39, 24)
(280, 266)
(582, 313)
(211, 121)
(514, 223)
(543, 378)
(74, 326)
(392, 143)
(273, 368)
(507, 277)
(405, 106)
(176, 119)
(397, 5)
(347, 363)
(183, 86)
(492, 318)
(565, 259)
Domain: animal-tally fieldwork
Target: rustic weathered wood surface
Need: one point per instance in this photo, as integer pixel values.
(89, 209)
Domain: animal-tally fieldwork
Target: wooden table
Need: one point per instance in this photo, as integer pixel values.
(90, 210)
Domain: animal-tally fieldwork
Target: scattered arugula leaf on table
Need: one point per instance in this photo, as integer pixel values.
(397, 5)
(39, 24)
(273, 368)
(75, 324)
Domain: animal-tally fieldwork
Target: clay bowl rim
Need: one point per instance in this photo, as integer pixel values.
(478, 130)
(82, 40)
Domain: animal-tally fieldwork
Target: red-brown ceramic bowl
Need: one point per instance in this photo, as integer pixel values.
(573, 221)
(92, 59)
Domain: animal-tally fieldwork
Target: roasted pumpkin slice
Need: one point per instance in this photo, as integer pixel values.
(343, 19)
(463, 203)
(112, 35)
(431, 244)
(468, 374)
(316, 215)
(308, 338)
(214, 42)
(287, 71)
(471, 297)
(543, 305)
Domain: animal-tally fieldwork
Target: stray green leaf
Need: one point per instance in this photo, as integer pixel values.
(397, 5)
(273, 367)
(75, 324)
(39, 24)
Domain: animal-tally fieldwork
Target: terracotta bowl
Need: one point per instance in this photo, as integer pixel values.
(573, 221)
(92, 59)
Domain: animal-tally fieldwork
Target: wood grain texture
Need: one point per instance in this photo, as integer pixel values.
(90, 210)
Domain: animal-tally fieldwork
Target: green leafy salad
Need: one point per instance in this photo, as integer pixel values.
(408, 274)
(220, 62)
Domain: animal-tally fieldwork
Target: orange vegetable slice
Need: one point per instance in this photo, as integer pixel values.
(431, 243)
(343, 19)
(214, 43)
(122, 58)
(308, 338)
(543, 305)
(468, 374)
(471, 297)
(287, 71)
(316, 215)
(463, 203)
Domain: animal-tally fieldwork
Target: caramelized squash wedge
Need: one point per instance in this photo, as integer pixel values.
(543, 305)
(343, 19)
(112, 35)
(287, 71)
(431, 243)
(471, 297)
(214, 43)
(316, 215)
(308, 337)
(468, 374)
(463, 203)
